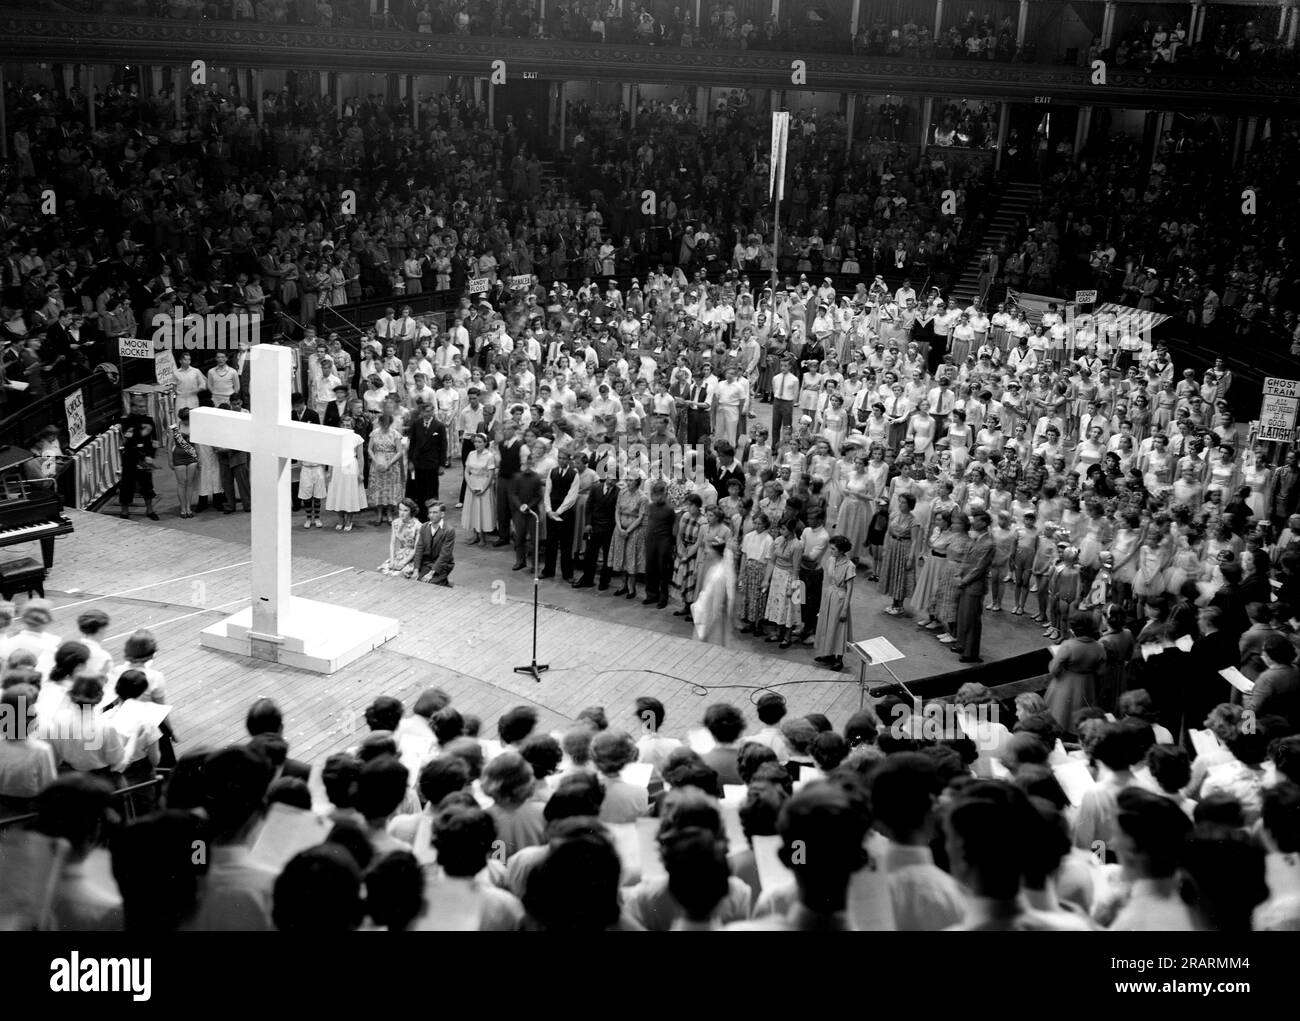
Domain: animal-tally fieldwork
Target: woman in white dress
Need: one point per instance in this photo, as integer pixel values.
(479, 514)
(346, 495)
(921, 429)
(1258, 475)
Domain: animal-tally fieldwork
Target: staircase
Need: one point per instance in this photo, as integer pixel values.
(1013, 208)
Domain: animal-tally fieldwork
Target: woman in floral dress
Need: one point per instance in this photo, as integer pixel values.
(627, 554)
(401, 545)
(689, 525)
(387, 469)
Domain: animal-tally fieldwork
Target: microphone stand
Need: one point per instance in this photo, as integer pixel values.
(535, 669)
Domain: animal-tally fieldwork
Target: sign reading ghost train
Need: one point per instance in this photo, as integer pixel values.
(1277, 413)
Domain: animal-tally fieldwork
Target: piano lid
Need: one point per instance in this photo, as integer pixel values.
(13, 457)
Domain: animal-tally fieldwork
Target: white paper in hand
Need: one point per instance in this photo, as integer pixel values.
(1204, 743)
(637, 773)
(1075, 780)
(1238, 680)
(453, 905)
(286, 832)
(700, 741)
(772, 873)
(1184, 644)
(647, 834)
(871, 908)
(627, 844)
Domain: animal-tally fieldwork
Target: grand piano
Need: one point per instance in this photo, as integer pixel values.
(30, 511)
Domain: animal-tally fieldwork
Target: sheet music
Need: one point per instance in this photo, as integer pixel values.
(1075, 780)
(870, 906)
(876, 651)
(652, 865)
(772, 873)
(1238, 680)
(1204, 742)
(637, 773)
(453, 906)
(286, 832)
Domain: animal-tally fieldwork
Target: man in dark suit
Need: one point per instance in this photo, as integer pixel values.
(264, 718)
(428, 450)
(337, 408)
(300, 413)
(526, 496)
(434, 548)
(508, 456)
(559, 502)
(724, 468)
(972, 584)
(660, 518)
(602, 512)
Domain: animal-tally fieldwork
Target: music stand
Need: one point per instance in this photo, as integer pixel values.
(876, 652)
(535, 669)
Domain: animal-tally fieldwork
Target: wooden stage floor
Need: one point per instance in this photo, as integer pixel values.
(462, 640)
(466, 640)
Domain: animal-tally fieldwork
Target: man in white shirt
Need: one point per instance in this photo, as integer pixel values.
(942, 400)
(404, 330)
(459, 335)
(785, 393)
(924, 897)
(384, 324)
(905, 293)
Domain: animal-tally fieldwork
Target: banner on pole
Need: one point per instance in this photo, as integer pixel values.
(521, 282)
(1085, 297)
(164, 368)
(74, 405)
(1277, 413)
(477, 285)
(780, 136)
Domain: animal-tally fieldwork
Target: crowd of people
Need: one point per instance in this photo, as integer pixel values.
(1161, 234)
(734, 823)
(1228, 43)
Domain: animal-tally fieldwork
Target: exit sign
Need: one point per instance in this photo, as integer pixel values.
(530, 74)
(1042, 99)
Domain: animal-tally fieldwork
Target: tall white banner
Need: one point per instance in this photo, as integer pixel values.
(780, 135)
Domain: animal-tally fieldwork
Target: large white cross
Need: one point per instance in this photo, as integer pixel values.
(272, 439)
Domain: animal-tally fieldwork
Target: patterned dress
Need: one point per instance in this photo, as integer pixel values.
(946, 593)
(628, 551)
(685, 574)
(782, 610)
(387, 487)
(897, 576)
(401, 548)
(756, 551)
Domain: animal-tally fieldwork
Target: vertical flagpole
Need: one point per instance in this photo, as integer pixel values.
(776, 189)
